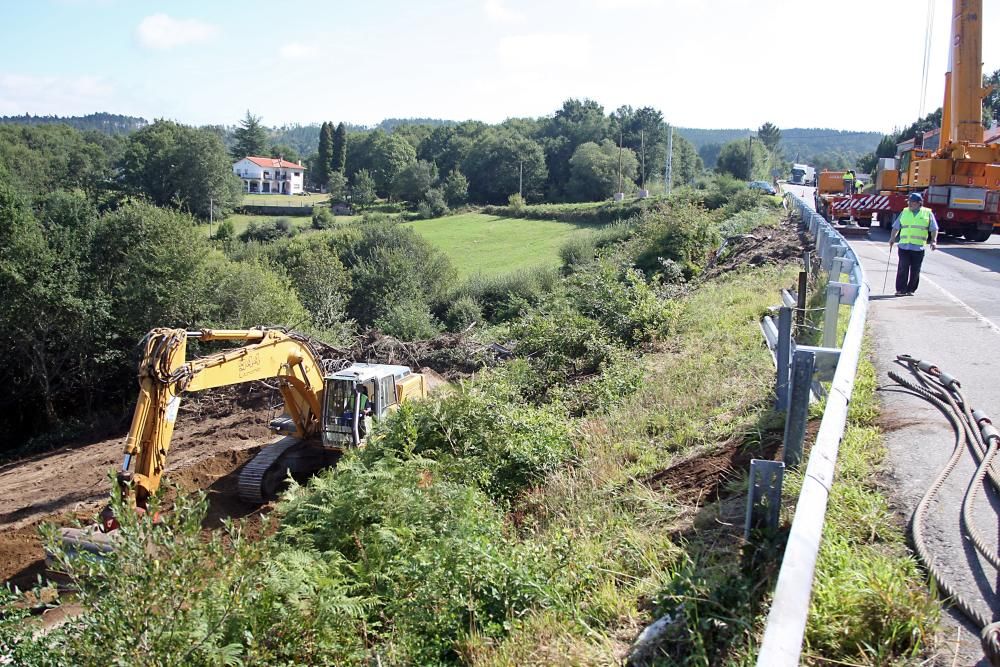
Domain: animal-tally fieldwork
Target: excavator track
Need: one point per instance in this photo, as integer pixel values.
(263, 471)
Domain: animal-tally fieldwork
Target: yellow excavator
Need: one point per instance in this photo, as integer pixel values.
(326, 410)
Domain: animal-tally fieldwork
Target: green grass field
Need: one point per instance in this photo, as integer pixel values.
(491, 245)
(284, 200)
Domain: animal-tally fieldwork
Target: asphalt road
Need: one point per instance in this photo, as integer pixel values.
(953, 320)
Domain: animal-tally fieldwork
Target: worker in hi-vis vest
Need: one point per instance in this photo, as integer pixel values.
(913, 227)
(849, 182)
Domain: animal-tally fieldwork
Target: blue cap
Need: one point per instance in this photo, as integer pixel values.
(915, 196)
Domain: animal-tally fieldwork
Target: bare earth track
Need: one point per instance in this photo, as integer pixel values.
(73, 484)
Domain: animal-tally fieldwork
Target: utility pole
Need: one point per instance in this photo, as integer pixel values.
(750, 156)
(669, 175)
(211, 216)
(520, 178)
(642, 150)
(620, 194)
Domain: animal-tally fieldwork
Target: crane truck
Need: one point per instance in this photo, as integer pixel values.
(326, 411)
(960, 181)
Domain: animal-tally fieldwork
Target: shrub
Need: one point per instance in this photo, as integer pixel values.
(515, 201)
(560, 343)
(266, 232)
(746, 199)
(204, 601)
(622, 301)
(485, 435)
(408, 319)
(504, 297)
(462, 313)
(225, 231)
(321, 281)
(391, 264)
(433, 204)
(578, 249)
(621, 376)
(249, 294)
(431, 553)
(323, 218)
(681, 232)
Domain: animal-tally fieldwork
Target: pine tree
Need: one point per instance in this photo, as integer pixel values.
(325, 158)
(339, 149)
(251, 137)
(770, 135)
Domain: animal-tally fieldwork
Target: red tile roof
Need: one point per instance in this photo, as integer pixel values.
(273, 162)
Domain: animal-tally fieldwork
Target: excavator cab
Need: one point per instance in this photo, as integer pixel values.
(359, 394)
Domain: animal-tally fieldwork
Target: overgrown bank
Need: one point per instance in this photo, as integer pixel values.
(542, 514)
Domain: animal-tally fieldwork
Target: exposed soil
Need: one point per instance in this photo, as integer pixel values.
(214, 436)
(764, 245)
(702, 478)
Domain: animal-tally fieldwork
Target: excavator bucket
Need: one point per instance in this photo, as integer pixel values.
(82, 541)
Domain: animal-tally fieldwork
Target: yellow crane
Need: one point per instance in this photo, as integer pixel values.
(960, 180)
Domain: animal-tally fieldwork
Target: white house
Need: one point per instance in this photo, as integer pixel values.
(269, 175)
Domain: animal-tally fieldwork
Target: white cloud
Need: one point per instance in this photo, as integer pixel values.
(627, 4)
(160, 31)
(58, 95)
(499, 12)
(298, 51)
(545, 50)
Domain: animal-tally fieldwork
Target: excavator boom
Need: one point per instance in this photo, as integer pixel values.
(164, 375)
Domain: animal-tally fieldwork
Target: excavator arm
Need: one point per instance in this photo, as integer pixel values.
(165, 374)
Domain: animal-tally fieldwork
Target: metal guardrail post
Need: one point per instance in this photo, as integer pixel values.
(763, 496)
(783, 354)
(798, 410)
(800, 302)
(831, 315)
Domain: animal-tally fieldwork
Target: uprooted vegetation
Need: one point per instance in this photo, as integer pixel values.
(539, 513)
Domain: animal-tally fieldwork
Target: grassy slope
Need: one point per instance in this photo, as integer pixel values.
(711, 386)
(491, 245)
(646, 551)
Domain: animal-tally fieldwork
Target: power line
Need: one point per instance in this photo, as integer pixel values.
(928, 32)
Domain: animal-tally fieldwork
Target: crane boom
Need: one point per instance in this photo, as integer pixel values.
(964, 92)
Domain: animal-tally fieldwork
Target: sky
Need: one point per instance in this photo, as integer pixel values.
(702, 63)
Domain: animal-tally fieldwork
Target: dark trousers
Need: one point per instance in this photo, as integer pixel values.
(908, 271)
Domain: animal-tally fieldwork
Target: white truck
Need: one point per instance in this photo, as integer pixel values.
(803, 174)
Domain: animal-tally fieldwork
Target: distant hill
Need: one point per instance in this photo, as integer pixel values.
(823, 147)
(109, 123)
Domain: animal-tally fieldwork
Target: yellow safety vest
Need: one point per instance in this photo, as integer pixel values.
(914, 227)
(848, 178)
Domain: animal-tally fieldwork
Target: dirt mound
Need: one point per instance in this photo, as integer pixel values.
(764, 245)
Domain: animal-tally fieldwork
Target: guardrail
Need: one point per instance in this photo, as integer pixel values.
(786, 621)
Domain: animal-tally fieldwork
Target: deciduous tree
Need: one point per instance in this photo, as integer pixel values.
(180, 166)
(594, 171)
(363, 189)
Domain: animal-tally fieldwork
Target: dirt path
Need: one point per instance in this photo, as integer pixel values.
(213, 438)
